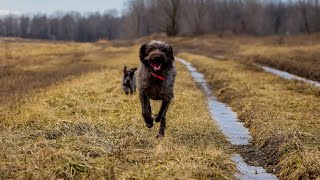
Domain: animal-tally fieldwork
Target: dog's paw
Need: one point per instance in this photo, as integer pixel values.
(149, 125)
(149, 122)
(157, 118)
(160, 136)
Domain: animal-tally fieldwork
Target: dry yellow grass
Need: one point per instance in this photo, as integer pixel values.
(284, 121)
(85, 127)
(26, 66)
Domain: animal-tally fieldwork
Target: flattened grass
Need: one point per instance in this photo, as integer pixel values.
(86, 127)
(284, 122)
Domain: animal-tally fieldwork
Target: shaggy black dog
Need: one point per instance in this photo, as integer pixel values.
(129, 80)
(156, 80)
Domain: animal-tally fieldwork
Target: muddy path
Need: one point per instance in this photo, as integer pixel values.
(235, 131)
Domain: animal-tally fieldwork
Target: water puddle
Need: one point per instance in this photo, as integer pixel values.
(251, 172)
(231, 127)
(286, 75)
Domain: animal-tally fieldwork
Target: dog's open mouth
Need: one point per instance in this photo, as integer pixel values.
(156, 65)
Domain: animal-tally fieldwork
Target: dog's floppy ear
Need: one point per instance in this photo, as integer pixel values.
(124, 69)
(134, 69)
(171, 56)
(142, 51)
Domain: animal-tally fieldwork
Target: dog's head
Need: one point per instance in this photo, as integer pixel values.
(128, 75)
(156, 55)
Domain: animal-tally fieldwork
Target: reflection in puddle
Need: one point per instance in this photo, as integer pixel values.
(231, 127)
(286, 75)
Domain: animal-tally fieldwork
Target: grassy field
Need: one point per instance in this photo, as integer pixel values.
(27, 66)
(63, 113)
(283, 116)
(66, 117)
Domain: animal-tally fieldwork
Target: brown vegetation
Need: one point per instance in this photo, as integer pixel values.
(27, 67)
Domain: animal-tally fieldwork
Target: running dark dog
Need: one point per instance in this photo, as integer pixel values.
(129, 80)
(156, 81)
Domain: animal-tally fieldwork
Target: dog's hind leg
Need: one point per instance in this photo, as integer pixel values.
(162, 118)
(146, 110)
(126, 90)
(134, 86)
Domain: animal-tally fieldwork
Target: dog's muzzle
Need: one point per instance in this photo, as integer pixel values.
(156, 58)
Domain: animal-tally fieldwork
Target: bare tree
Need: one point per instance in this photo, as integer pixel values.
(197, 15)
(24, 26)
(303, 6)
(39, 27)
(169, 12)
(11, 26)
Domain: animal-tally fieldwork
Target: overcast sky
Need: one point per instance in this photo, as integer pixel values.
(51, 6)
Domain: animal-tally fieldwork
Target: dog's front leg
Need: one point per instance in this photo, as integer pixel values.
(146, 110)
(162, 118)
(126, 90)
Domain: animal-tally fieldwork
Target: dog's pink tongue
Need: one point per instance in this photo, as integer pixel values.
(155, 66)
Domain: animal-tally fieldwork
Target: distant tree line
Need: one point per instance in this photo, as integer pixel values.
(174, 17)
(69, 26)
(193, 17)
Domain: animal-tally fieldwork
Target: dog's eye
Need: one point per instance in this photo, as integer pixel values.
(164, 49)
(149, 50)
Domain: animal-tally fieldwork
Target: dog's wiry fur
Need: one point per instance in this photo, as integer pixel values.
(156, 57)
(129, 80)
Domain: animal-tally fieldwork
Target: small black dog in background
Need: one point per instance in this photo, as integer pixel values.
(129, 80)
